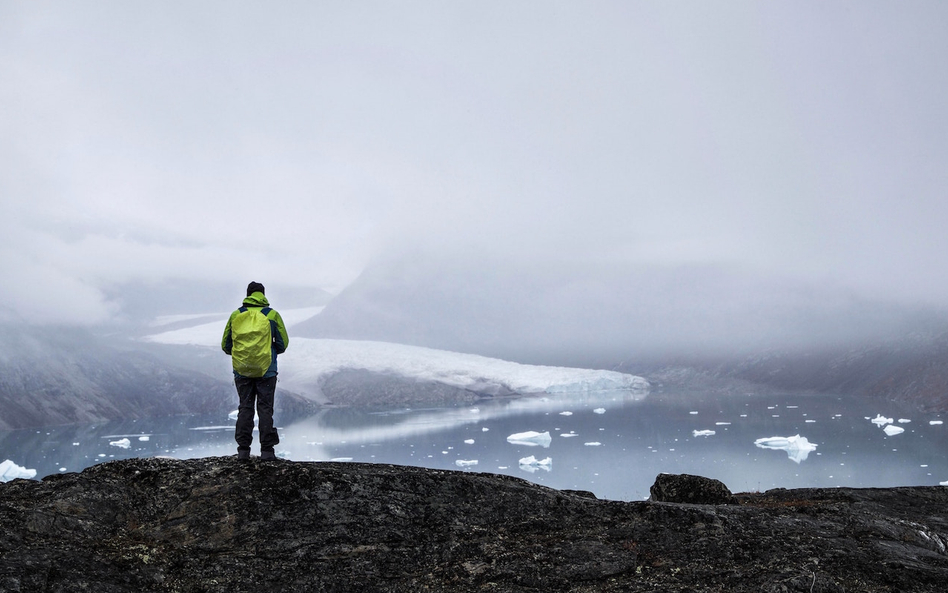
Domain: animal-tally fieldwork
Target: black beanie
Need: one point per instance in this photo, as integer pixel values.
(254, 287)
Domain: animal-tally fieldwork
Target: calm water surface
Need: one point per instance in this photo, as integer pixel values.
(617, 442)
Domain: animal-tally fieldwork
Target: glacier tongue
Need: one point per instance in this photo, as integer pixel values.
(308, 360)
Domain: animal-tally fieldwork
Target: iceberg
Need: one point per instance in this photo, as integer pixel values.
(935, 422)
(11, 471)
(599, 411)
(703, 433)
(532, 464)
(593, 444)
(893, 430)
(121, 443)
(530, 438)
(797, 447)
(881, 420)
(465, 462)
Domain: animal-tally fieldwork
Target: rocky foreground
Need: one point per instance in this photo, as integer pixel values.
(221, 525)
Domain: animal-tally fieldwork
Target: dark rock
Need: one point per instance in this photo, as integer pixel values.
(221, 525)
(689, 489)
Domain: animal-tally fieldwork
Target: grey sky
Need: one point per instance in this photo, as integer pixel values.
(291, 142)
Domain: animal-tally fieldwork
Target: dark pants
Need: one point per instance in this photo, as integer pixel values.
(259, 392)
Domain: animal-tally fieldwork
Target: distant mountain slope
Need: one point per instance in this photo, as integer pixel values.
(61, 376)
(913, 369)
(637, 319)
(574, 313)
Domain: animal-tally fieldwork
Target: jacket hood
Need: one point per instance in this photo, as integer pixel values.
(257, 299)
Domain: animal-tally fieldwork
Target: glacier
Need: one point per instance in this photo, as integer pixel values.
(310, 359)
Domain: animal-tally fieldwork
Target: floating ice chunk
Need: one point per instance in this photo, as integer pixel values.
(935, 422)
(593, 444)
(530, 438)
(11, 471)
(121, 443)
(469, 442)
(797, 447)
(722, 423)
(892, 430)
(943, 483)
(567, 413)
(485, 429)
(233, 415)
(341, 459)
(693, 412)
(144, 438)
(532, 464)
(465, 462)
(703, 433)
(881, 420)
(904, 420)
(599, 411)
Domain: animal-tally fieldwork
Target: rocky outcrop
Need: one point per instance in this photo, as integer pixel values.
(222, 525)
(689, 489)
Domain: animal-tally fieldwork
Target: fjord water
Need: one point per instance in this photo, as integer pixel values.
(610, 443)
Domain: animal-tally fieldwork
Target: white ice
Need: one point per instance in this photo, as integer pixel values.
(703, 433)
(530, 438)
(121, 443)
(11, 471)
(881, 420)
(309, 359)
(465, 462)
(566, 413)
(797, 447)
(599, 411)
(593, 444)
(532, 464)
(893, 430)
(935, 422)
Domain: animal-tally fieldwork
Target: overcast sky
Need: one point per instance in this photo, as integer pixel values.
(291, 142)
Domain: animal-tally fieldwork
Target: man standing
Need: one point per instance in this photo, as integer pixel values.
(253, 338)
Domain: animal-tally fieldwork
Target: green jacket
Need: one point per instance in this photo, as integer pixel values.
(253, 337)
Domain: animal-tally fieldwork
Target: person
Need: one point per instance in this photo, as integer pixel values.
(253, 337)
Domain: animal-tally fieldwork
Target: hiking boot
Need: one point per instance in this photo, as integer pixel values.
(268, 455)
(243, 454)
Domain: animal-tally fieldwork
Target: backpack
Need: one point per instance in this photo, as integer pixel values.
(250, 330)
